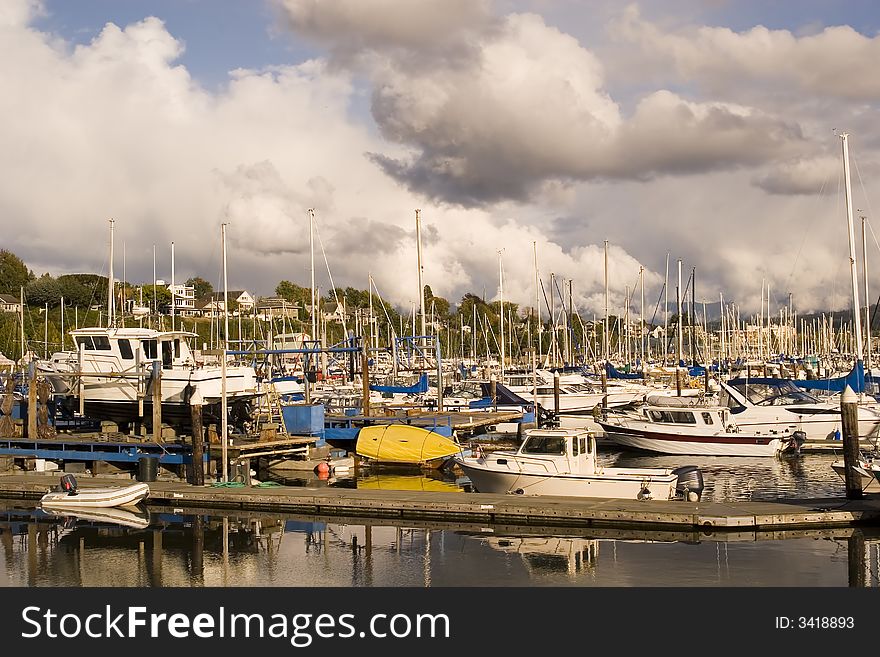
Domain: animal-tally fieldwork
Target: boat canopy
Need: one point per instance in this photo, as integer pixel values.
(614, 373)
(504, 396)
(855, 380)
(420, 387)
(764, 391)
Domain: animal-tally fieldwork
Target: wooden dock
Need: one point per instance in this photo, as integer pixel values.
(479, 508)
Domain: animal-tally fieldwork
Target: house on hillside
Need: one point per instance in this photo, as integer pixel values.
(276, 307)
(184, 297)
(240, 302)
(9, 304)
(334, 312)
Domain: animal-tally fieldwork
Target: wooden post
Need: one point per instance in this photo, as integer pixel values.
(849, 416)
(157, 401)
(33, 434)
(493, 391)
(80, 384)
(556, 393)
(604, 393)
(677, 381)
(198, 439)
(365, 375)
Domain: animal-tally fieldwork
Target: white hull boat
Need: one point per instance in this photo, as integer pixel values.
(563, 462)
(703, 431)
(70, 496)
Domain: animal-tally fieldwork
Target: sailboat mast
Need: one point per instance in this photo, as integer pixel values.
(421, 268)
(312, 252)
(110, 281)
(666, 312)
(173, 290)
(642, 316)
(501, 286)
(679, 345)
(223, 402)
(606, 340)
(537, 301)
(857, 324)
(867, 298)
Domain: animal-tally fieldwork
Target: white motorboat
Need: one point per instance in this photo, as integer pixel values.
(123, 366)
(563, 462)
(762, 405)
(70, 496)
(706, 430)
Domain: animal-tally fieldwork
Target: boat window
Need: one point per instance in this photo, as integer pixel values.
(177, 347)
(150, 349)
(574, 448)
(85, 341)
(125, 350)
(707, 418)
(102, 342)
(544, 445)
(683, 417)
(661, 416)
(166, 353)
(584, 444)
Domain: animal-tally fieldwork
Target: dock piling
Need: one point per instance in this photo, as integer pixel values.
(849, 416)
(198, 440)
(157, 400)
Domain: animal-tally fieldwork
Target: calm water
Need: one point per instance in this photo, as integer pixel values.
(166, 547)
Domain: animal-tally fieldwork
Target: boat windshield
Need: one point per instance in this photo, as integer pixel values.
(544, 445)
(781, 393)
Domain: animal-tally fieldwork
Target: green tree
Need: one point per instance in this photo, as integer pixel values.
(74, 292)
(201, 287)
(43, 290)
(13, 273)
(294, 293)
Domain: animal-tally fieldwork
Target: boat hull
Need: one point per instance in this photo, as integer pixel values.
(97, 497)
(404, 444)
(611, 483)
(726, 444)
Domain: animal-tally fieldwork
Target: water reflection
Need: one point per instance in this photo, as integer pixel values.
(743, 478)
(253, 549)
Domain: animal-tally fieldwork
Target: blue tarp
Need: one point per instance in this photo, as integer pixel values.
(855, 380)
(614, 373)
(420, 387)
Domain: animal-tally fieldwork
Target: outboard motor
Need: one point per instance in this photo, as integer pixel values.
(798, 438)
(690, 483)
(68, 484)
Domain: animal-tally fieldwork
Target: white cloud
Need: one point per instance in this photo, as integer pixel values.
(525, 106)
(836, 61)
(501, 129)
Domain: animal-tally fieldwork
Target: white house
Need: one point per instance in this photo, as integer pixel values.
(215, 304)
(9, 304)
(184, 297)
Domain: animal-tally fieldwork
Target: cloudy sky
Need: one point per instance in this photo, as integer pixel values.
(676, 129)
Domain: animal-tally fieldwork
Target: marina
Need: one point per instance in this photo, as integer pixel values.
(324, 301)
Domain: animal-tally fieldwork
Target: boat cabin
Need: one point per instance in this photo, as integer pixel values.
(560, 450)
(126, 347)
(705, 417)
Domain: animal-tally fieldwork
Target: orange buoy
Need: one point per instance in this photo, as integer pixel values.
(323, 468)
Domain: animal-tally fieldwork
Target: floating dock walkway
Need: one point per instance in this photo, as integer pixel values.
(403, 506)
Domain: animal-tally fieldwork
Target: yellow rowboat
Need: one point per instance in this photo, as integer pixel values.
(402, 443)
